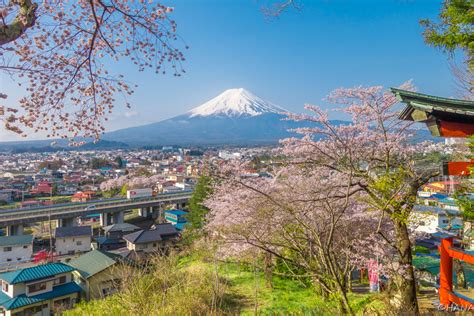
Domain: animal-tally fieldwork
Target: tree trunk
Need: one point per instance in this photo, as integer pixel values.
(268, 269)
(346, 307)
(406, 281)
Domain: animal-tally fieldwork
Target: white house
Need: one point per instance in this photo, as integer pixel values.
(45, 289)
(15, 249)
(71, 240)
(429, 219)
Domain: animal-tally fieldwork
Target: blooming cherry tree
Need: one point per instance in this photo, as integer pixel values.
(61, 52)
(375, 150)
(308, 218)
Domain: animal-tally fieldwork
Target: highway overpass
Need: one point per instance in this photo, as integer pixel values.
(111, 210)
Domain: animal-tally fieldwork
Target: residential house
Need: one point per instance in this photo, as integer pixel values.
(41, 290)
(98, 273)
(42, 188)
(83, 196)
(113, 234)
(15, 249)
(71, 240)
(157, 239)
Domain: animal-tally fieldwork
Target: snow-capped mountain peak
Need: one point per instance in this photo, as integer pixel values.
(235, 103)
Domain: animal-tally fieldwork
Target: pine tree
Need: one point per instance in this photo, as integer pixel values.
(197, 211)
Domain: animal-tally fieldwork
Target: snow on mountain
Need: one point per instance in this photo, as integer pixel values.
(235, 103)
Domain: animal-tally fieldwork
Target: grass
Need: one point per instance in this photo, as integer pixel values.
(248, 293)
(192, 283)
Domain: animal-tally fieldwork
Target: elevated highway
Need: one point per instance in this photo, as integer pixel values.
(13, 219)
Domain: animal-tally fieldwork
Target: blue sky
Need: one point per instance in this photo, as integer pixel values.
(295, 59)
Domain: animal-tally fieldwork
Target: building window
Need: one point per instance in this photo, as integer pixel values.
(4, 286)
(37, 287)
(62, 304)
(31, 310)
(154, 245)
(79, 243)
(6, 249)
(60, 280)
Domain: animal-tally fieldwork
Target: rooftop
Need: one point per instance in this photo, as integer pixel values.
(429, 103)
(443, 117)
(94, 262)
(61, 232)
(123, 227)
(156, 234)
(15, 240)
(37, 272)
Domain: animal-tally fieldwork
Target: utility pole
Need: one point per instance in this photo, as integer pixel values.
(50, 237)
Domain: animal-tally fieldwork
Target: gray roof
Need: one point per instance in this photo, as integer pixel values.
(15, 240)
(61, 232)
(123, 227)
(157, 234)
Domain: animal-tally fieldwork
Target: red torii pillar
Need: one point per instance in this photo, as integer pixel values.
(447, 254)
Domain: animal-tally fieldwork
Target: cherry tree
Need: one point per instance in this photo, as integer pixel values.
(132, 181)
(63, 54)
(307, 218)
(374, 149)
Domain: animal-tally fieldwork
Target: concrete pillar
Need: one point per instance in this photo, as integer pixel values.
(14, 230)
(156, 212)
(117, 218)
(67, 222)
(143, 212)
(105, 219)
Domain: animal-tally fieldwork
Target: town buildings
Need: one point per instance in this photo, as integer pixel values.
(41, 290)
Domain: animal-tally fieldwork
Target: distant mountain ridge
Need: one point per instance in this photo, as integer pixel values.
(235, 117)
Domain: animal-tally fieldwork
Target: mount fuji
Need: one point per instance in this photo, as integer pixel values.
(235, 117)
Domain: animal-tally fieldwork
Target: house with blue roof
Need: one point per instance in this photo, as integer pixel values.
(177, 218)
(39, 290)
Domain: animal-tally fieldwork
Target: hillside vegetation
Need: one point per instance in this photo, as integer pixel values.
(199, 285)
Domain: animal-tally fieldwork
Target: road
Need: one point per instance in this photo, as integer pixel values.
(69, 210)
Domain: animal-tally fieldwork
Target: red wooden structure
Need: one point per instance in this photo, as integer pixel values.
(447, 253)
(446, 118)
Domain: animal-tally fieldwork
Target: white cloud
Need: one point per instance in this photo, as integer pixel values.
(130, 113)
